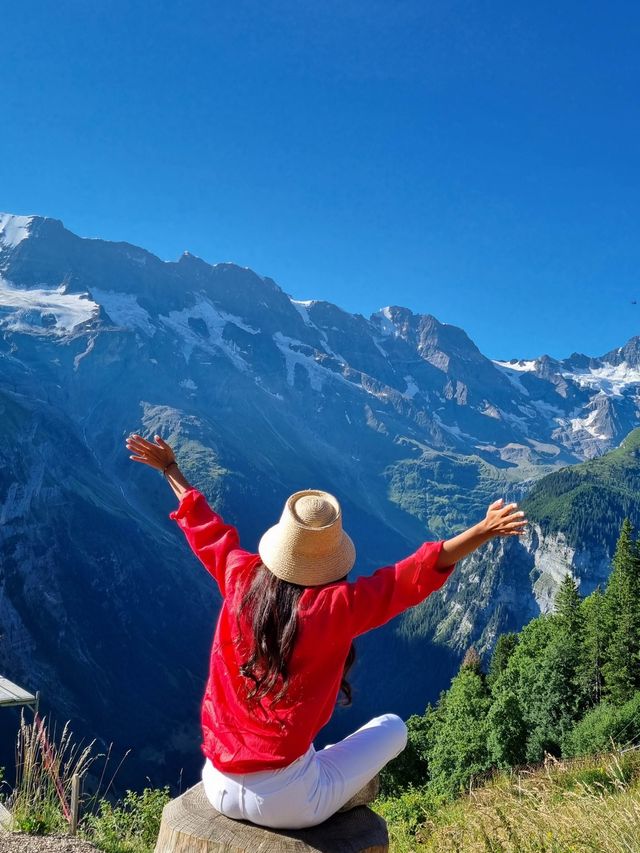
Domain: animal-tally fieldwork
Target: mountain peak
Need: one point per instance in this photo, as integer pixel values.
(393, 320)
(189, 260)
(14, 229)
(629, 353)
(16, 232)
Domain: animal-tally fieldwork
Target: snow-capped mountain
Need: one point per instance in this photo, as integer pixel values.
(398, 414)
(408, 368)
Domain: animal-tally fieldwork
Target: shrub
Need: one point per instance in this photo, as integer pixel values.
(130, 826)
(411, 767)
(410, 809)
(603, 726)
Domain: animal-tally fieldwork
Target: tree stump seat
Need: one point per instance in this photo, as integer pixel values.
(190, 824)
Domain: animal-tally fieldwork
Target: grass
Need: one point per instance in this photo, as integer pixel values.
(589, 805)
(40, 800)
(45, 766)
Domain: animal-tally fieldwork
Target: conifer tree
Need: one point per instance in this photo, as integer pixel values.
(567, 606)
(622, 620)
(504, 647)
(569, 638)
(593, 642)
(521, 674)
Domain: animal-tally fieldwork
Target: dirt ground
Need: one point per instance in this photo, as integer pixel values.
(18, 842)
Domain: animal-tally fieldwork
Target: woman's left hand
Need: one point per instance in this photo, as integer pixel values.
(158, 455)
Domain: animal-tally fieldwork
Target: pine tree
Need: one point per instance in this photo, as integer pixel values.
(622, 620)
(567, 605)
(503, 650)
(569, 642)
(542, 673)
(593, 642)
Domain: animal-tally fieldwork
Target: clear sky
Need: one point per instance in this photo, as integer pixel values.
(479, 161)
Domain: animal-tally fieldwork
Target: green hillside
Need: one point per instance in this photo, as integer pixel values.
(449, 491)
(495, 591)
(589, 499)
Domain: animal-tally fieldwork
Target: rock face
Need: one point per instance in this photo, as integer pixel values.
(503, 586)
(399, 415)
(575, 515)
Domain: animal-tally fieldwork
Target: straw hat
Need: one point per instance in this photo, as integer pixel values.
(308, 545)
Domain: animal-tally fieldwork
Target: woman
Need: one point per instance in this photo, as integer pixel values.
(284, 642)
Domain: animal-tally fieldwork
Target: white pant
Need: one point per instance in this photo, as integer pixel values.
(314, 786)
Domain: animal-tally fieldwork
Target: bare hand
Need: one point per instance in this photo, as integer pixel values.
(158, 455)
(504, 520)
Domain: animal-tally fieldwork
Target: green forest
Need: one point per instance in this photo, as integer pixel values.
(567, 684)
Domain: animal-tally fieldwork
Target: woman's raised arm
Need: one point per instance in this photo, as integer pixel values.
(161, 457)
(499, 521)
(210, 539)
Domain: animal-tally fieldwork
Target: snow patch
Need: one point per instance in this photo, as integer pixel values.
(302, 306)
(292, 350)
(385, 322)
(490, 411)
(124, 310)
(377, 342)
(511, 372)
(14, 229)
(215, 322)
(611, 379)
(589, 425)
(258, 381)
(548, 409)
(411, 389)
(523, 365)
(139, 258)
(453, 429)
(520, 423)
(39, 311)
(292, 356)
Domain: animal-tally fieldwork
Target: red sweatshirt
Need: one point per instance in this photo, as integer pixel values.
(238, 739)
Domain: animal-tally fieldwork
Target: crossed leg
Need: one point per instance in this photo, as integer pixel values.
(346, 767)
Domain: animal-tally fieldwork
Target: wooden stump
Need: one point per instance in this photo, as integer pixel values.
(190, 824)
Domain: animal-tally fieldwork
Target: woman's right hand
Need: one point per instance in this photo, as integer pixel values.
(159, 455)
(502, 520)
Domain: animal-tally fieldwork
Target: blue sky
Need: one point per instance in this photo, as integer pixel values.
(476, 161)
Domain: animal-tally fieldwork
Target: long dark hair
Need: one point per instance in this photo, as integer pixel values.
(272, 611)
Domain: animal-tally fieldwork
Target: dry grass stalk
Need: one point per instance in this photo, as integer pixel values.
(553, 811)
(45, 766)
